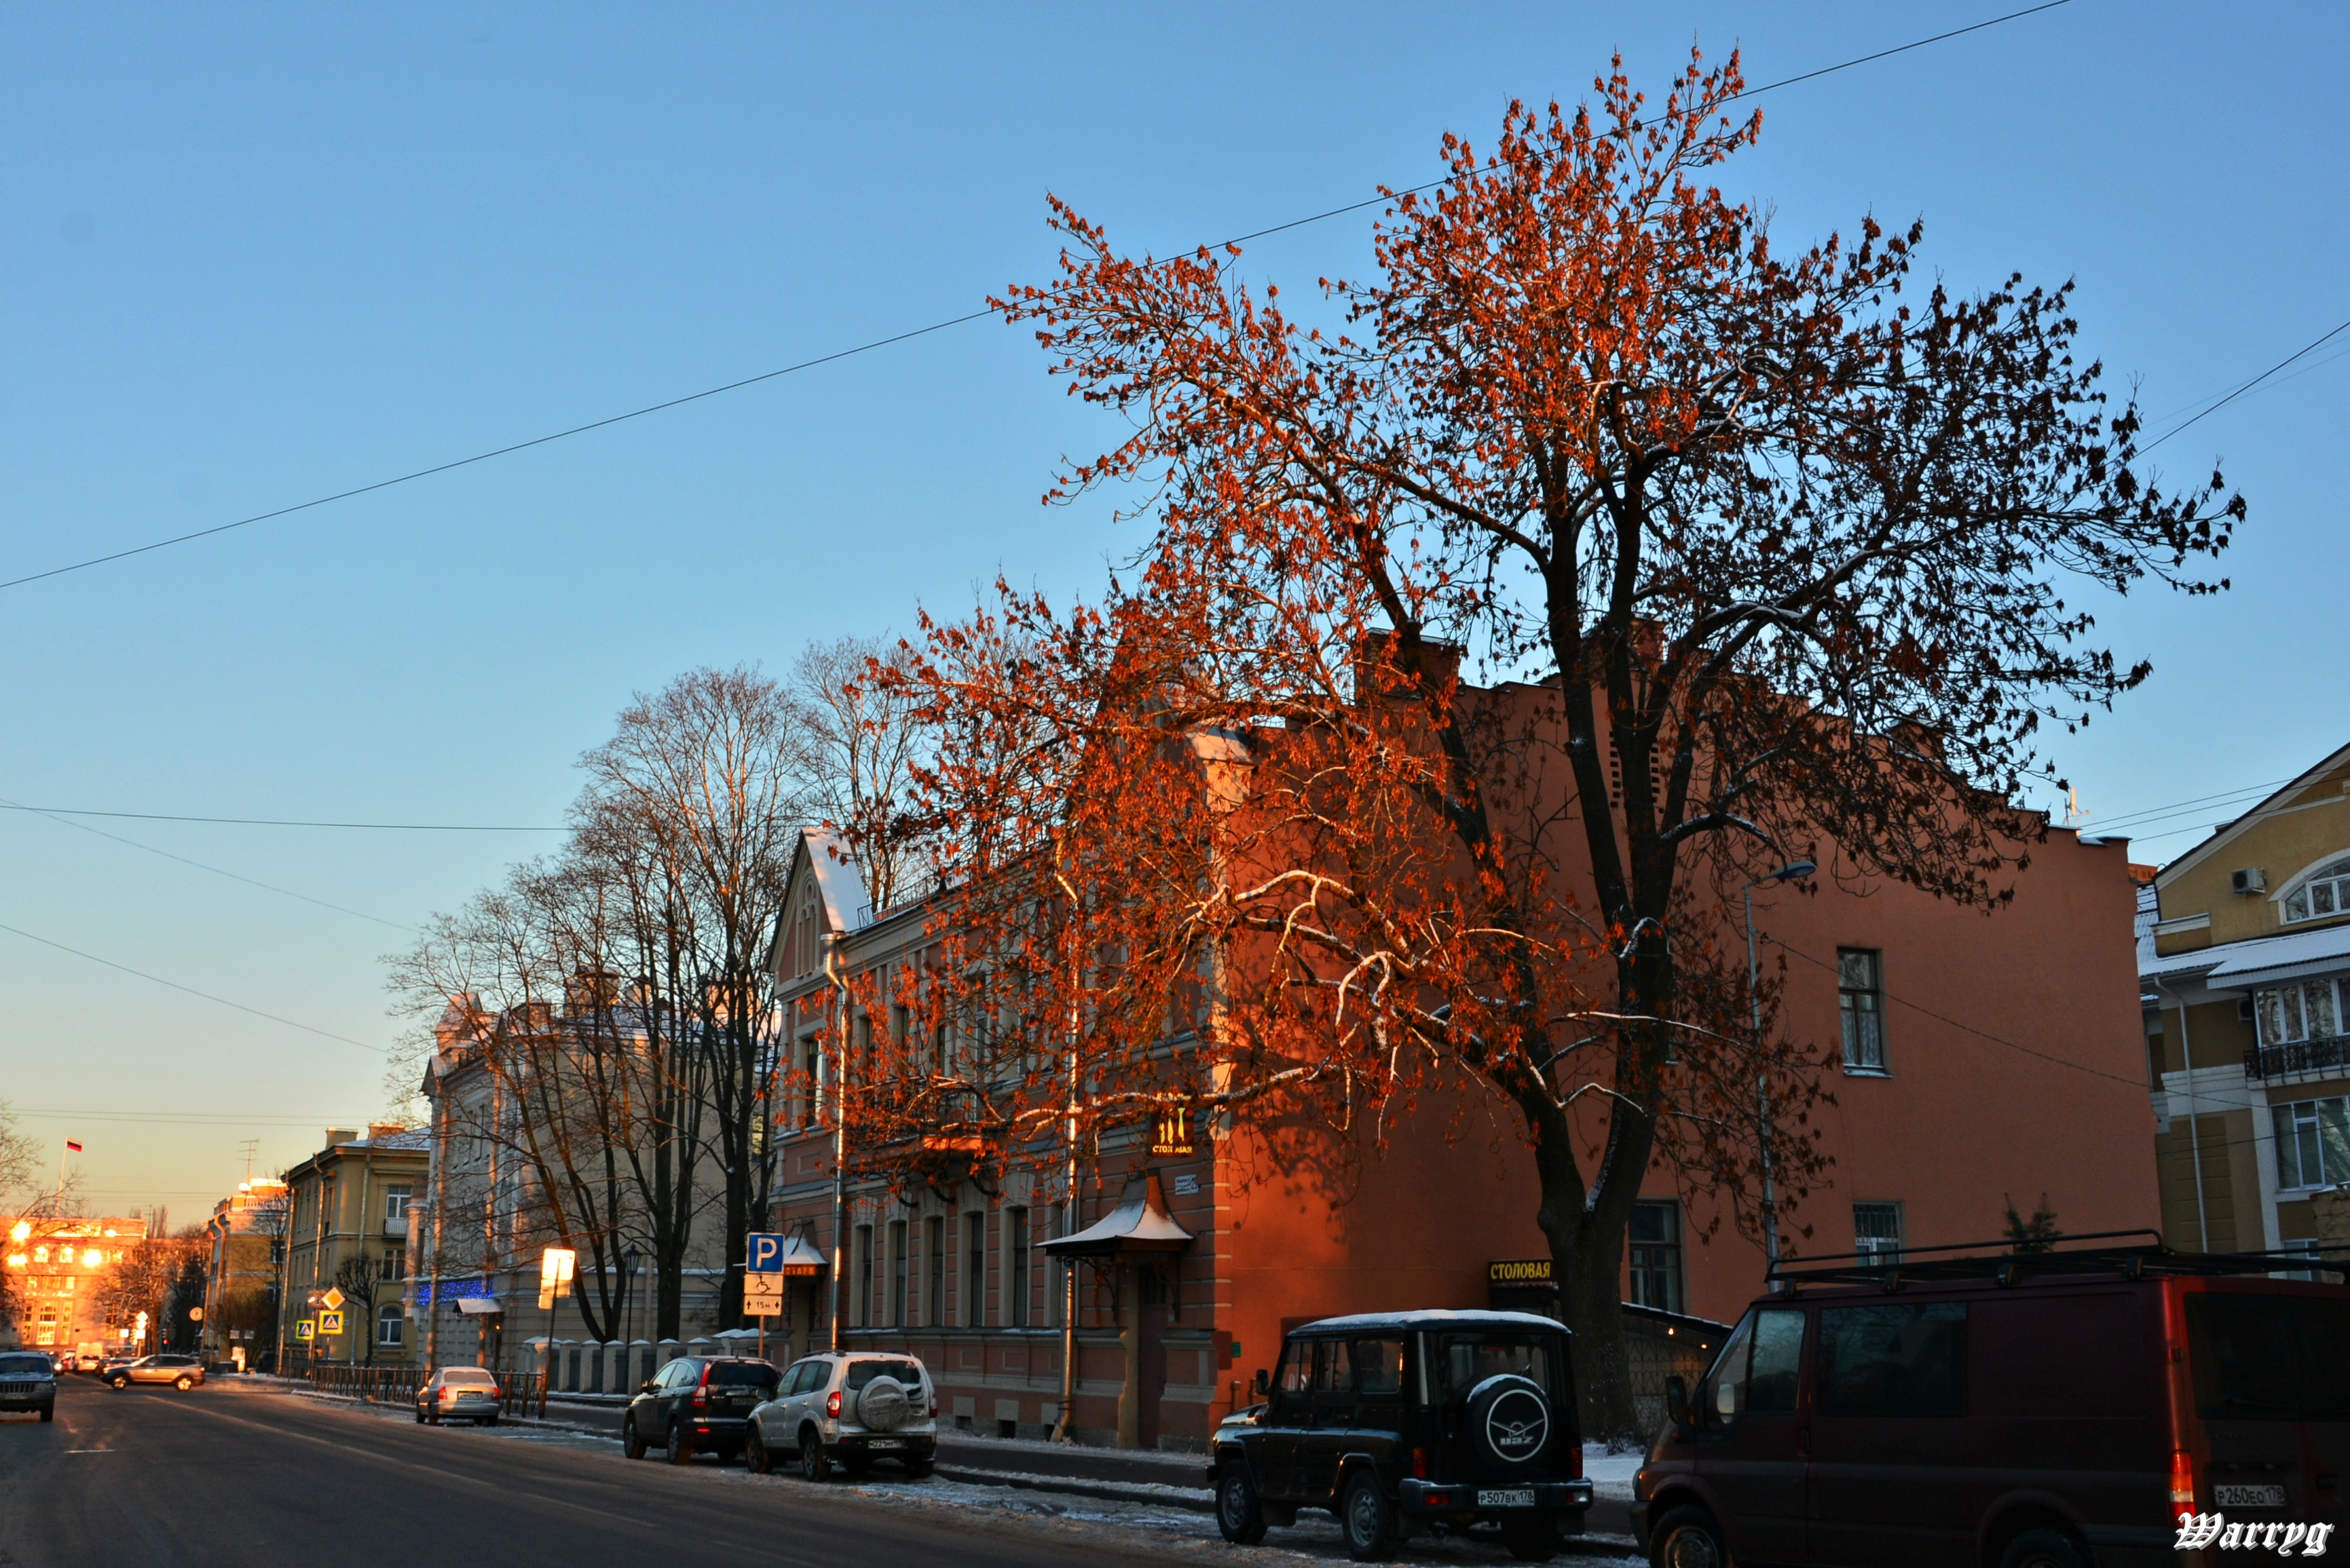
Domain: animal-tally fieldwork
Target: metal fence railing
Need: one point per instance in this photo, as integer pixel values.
(519, 1393)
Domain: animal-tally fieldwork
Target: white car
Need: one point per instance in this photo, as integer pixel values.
(459, 1394)
(850, 1408)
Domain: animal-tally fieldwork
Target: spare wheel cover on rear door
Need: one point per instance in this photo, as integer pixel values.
(1509, 1421)
(882, 1404)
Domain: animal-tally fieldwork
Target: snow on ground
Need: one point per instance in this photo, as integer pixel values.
(1112, 1522)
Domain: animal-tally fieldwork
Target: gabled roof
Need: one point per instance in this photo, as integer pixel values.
(2283, 799)
(834, 865)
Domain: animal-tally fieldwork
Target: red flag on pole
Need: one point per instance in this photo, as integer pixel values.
(72, 1148)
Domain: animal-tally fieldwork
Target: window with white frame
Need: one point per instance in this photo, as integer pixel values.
(2313, 1143)
(387, 1325)
(2307, 1009)
(2325, 891)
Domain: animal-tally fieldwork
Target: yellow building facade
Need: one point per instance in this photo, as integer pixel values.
(2244, 979)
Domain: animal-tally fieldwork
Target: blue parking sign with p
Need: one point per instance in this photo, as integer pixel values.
(766, 1253)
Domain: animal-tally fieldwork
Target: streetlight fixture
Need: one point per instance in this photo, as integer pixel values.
(1792, 871)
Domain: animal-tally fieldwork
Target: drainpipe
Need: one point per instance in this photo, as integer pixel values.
(2194, 1134)
(440, 1156)
(840, 1132)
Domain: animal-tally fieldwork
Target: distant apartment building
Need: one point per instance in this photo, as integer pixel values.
(244, 1243)
(2244, 981)
(347, 1223)
(56, 1267)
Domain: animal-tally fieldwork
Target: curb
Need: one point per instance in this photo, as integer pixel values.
(1107, 1492)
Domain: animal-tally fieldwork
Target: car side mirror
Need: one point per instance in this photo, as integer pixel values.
(1676, 1404)
(1263, 1382)
(646, 1386)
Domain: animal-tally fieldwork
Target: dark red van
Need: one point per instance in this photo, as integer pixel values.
(2050, 1410)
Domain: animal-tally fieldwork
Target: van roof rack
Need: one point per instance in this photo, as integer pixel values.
(2128, 1254)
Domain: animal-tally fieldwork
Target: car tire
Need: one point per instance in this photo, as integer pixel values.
(183, 1383)
(1688, 1538)
(419, 1415)
(1239, 1515)
(489, 1420)
(2043, 1549)
(1366, 1519)
(815, 1465)
(919, 1470)
(119, 1383)
(755, 1458)
(48, 1412)
(632, 1442)
(1531, 1537)
(680, 1450)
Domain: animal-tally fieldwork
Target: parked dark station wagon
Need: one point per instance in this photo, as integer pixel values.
(2050, 1410)
(1411, 1423)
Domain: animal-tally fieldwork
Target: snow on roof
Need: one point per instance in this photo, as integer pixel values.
(1141, 1222)
(835, 868)
(2264, 956)
(2238, 966)
(1434, 1318)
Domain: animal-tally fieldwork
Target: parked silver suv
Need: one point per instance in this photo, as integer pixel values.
(848, 1408)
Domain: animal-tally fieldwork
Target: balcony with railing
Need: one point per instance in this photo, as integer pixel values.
(2329, 1054)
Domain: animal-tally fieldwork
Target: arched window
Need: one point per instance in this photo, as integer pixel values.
(2325, 891)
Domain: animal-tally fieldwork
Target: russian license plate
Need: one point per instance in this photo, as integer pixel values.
(2248, 1497)
(885, 1443)
(1521, 1498)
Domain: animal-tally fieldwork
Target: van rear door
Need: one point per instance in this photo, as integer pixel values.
(2268, 1371)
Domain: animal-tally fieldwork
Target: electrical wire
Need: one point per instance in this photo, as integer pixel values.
(903, 336)
(191, 991)
(2231, 397)
(62, 821)
(1967, 1028)
(279, 822)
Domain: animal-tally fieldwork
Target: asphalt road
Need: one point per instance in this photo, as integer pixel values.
(156, 1478)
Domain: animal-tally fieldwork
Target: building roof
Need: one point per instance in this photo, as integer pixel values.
(2263, 961)
(835, 869)
(2229, 832)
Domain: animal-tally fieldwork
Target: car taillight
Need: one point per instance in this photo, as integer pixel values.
(832, 1404)
(1420, 1464)
(2182, 1481)
(1575, 1462)
(934, 1404)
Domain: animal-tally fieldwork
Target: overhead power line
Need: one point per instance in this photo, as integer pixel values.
(62, 821)
(279, 822)
(191, 991)
(2316, 343)
(903, 336)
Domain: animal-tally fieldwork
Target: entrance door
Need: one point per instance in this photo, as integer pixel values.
(1754, 1462)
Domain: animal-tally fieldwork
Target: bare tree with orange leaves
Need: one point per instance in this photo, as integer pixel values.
(1758, 555)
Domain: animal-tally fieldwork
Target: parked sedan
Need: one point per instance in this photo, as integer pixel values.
(459, 1394)
(28, 1382)
(697, 1403)
(182, 1372)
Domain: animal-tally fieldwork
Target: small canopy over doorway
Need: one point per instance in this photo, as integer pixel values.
(1137, 1231)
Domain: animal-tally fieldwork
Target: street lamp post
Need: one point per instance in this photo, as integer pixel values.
(1787, 873)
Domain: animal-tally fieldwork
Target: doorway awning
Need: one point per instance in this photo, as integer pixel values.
(474, 1306)
(802, 1261)
(1140, 1224)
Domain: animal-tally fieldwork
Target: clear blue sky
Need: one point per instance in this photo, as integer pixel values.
(249, 255)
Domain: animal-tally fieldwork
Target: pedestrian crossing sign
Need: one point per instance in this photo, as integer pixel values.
(305, 1329)
(330, 1322)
